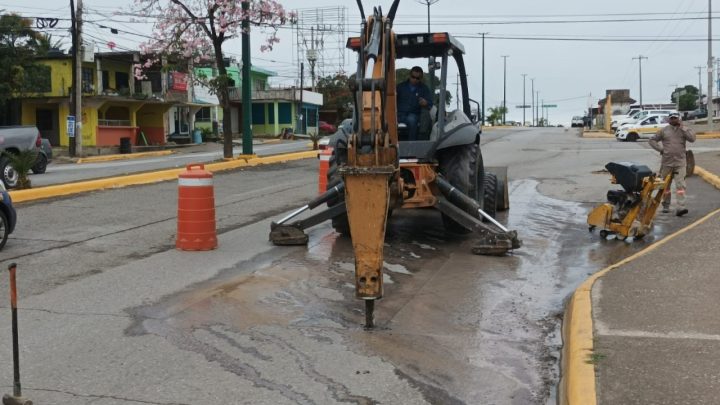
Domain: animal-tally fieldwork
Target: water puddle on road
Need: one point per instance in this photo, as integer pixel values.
(453, 327)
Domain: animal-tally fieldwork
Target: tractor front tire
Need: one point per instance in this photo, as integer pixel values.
(338, 158)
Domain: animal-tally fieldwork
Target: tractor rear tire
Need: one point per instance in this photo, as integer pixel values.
(459, 165)
(338, 158)
(491, 194)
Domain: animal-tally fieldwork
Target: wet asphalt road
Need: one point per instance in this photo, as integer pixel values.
(112, 314)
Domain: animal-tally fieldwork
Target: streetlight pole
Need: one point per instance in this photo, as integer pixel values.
(431, 60)
(711, 107)
(482, 115)
(504, 85)
(523, 107)
(532, 98)
(699, 97)
(640, 59)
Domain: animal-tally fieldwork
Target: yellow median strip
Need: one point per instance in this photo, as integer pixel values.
(106, 158)
(146, 178)
(577, 383)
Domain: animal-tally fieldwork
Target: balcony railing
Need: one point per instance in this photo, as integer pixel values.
(114, 123)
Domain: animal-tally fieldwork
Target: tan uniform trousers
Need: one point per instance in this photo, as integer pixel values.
(678, 185)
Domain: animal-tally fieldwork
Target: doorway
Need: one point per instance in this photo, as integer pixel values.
(46, 120)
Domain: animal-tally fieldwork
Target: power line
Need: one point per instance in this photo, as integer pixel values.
(557, 38)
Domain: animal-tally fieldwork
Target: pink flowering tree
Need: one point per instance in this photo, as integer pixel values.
(195, 30)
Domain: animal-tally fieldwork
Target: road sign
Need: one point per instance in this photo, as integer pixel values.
(71, 126)
(549, 105)
(522, 106)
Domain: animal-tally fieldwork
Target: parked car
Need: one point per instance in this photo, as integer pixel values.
(695, 114)
(326, 128)
(44, 157)
(345, 128)
(8, 217)
(646, 128)
(14, 139)
(577, 121)
(640, 115)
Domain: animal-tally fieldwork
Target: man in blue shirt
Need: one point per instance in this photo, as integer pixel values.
(412, 95)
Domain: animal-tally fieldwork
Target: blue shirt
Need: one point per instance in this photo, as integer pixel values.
(408, 95)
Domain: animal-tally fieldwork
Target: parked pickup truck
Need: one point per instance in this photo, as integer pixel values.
(13, 140)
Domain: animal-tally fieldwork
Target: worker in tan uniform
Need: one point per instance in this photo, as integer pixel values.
(670, 141)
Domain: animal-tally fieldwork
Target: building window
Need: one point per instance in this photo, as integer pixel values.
(258, 114)
(284, 113)
(311, 116)
(204, 115)
(122, 80)
(105, 80)
(87, 80)
(258, 85)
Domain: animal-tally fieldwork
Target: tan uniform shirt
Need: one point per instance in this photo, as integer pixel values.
(670, 141)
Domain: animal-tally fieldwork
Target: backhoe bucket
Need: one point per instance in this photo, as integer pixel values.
(367, 195)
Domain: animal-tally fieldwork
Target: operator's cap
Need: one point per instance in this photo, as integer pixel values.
(676, 115)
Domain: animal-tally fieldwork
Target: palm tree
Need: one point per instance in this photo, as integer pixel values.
(496, 114)
(22, 162)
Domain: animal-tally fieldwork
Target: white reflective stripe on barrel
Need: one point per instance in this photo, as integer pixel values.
(324, 157)
(196, 182)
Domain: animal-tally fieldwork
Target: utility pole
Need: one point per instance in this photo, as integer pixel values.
(504, 85)
(699, 97)
(537, 106)
(78, 80)
(711, 107)
(246, 83)
(300, 109)
(482, 115)
(532, 97)
(431, 60)
(457, 91)
(74, 86)
(312, 56)
(523, 75)
(640, 59)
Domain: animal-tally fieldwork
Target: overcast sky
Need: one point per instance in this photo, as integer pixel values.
(566, 72)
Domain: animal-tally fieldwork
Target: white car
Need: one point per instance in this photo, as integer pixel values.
(646, 128)
(577, 122)
(617, 118)
(640, 115)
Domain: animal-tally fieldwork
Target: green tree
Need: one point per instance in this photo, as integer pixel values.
(336, 94)
(20, 73)
(688, 99)
(495, 114)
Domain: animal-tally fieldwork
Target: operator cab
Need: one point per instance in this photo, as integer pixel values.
(442, 128)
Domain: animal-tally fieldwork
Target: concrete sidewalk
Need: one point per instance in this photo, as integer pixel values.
(646, 330)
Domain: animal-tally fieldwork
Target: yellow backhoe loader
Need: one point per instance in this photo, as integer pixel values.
(374, 169)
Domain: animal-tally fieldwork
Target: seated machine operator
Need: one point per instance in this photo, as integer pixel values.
(412, 97)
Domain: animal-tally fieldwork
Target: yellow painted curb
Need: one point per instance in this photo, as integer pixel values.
(598, 134)
(708, 136)
(106, 158)
(145, 178)
(577, 382)
(707, 176)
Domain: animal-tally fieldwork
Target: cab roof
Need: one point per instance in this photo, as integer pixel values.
(419, 45)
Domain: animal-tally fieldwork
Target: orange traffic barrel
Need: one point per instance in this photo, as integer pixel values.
(324, 157)
(196, 209)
